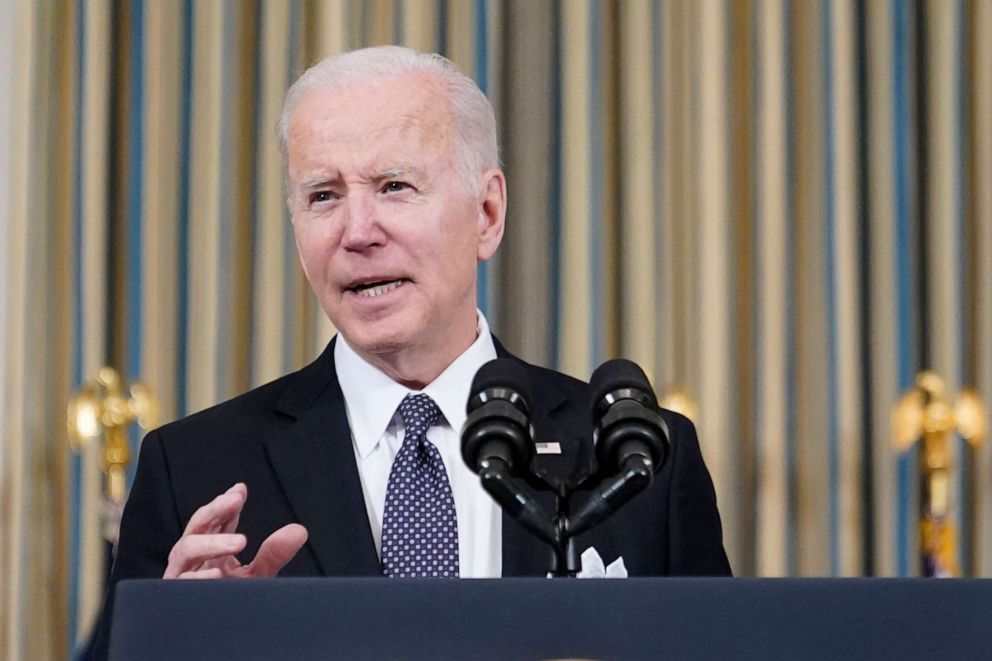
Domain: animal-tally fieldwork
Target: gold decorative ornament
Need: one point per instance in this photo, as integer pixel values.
(100, 413)
(926, 415)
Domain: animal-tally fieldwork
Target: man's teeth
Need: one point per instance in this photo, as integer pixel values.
(377, 290)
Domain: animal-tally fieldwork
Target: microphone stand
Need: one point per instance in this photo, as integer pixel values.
(561, 530)
(508, 492)
(566, 560)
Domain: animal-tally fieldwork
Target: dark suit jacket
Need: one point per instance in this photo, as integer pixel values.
(289, 442)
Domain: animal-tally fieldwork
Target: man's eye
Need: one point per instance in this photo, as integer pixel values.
(321, 196)
(395, 186)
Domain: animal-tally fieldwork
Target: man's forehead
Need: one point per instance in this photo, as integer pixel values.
(373, 154)
(364, 125)
(368, 132)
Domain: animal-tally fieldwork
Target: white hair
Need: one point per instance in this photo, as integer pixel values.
(476, 146)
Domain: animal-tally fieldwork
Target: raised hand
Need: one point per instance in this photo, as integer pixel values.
(208, 546)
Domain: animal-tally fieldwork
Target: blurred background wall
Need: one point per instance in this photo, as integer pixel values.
(780, 207)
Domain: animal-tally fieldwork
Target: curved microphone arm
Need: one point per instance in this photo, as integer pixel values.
(509, 493)
(634, 477)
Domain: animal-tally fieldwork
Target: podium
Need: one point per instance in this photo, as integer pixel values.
(638, 618)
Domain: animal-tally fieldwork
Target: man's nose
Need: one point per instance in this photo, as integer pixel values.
(362, 226)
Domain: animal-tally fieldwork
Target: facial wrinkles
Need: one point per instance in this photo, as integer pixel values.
(348, 147)
(328, 133)
(341, 165)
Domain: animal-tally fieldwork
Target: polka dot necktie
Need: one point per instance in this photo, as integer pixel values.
(419, 530)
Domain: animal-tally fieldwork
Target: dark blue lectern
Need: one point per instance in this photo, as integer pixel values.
(675, 618)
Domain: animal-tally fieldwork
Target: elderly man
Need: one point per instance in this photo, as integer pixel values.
(351, 466)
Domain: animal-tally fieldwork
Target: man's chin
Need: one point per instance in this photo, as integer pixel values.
(385, 347)
(376, 344)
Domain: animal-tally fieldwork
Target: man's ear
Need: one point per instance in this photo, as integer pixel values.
(492, 213)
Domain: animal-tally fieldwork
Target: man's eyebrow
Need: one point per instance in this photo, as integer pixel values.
(317, 181)
(395, 172)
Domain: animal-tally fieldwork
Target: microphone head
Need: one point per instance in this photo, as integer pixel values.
(625, 416)
(620, 374)
(498, 424)
(501, 378)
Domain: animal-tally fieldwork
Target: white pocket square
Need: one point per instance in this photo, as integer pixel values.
(592, 566)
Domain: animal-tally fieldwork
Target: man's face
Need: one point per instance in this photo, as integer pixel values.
(388, 231)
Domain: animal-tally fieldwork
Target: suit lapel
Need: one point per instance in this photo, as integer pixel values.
(315, 464)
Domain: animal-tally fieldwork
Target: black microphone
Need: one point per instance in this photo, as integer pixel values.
(498, 424)
(626, 422)
(498, 441)
(630, 436)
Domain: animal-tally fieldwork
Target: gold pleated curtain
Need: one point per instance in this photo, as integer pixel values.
(781, 207)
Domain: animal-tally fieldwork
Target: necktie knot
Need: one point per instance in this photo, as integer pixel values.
(419, 413)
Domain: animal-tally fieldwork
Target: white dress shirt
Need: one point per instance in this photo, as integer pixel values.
(371, 399)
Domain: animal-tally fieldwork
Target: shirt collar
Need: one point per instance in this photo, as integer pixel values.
(371, 398)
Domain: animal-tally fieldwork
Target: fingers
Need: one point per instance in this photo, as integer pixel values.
(220, 514)
(231, 525)
(278, 549)
(191, 552)
(209, 543)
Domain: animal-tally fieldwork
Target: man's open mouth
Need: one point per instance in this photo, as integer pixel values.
(373, 289)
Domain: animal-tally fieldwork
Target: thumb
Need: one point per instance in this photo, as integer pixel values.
(278, 549)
